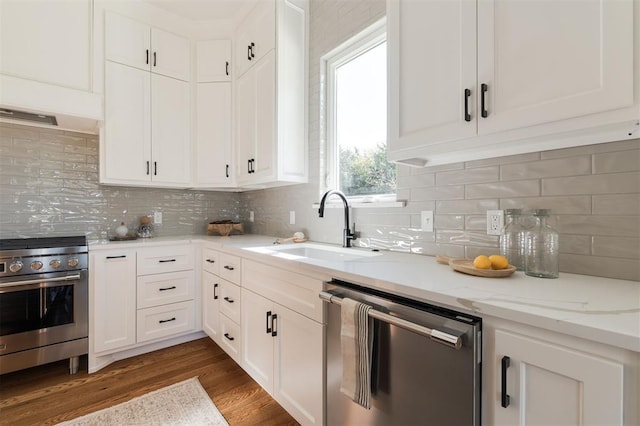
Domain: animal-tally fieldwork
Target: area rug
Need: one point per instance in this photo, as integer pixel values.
(184, 403)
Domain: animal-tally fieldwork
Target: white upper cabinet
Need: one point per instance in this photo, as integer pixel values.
(256, 35)
(518, 78)
(270, 108)
(214, 153)
(139, 45)
(147, 130)
(47, 41)
(214, 61)
(552, 60)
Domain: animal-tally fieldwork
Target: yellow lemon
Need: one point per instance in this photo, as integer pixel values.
(498, 261)
(482, 262)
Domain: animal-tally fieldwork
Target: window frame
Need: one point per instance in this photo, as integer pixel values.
(360, 43)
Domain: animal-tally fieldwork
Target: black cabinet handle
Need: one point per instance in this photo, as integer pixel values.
(229, 300)
(467, 116)
(227, 170)
(215, 293)
(274, 318)
(226, 68)
(230, 268)
(155, 168)
(173, 287)
(210, 261)
(483, 91)
(147, 168)
(117, 257)
(268, 318)
(166, 260)
(505, 398)
(249, 52)
(248, 166)
(147, 56)
(251, 49)
(167, 320)
(154, 58)
(229, 337)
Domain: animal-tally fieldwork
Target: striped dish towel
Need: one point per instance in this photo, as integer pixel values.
(356, 352)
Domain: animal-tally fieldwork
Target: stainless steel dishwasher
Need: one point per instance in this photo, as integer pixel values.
(426, 362)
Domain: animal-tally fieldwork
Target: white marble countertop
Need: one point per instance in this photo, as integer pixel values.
(599, 309)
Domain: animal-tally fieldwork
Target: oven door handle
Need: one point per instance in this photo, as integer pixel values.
(74, 277)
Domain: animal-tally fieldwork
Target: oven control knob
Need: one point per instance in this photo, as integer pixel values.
(37, 265)
(73, 262)
(55, 263)
(15, 266)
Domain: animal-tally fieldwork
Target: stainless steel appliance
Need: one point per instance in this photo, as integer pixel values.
(426, 362)
(43, 301)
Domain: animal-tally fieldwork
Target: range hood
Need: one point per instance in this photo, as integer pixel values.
(39, 104)
(14, 114)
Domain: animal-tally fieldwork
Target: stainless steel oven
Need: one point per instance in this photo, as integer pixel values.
(43, 301)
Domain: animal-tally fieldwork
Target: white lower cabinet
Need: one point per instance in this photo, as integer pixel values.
(211, 305)
(543, 383)
(140, 296)
(281, 348)
(112, 295)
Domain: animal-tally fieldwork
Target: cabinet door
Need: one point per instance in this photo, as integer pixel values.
(245, 120)
(113, 300)
(47, 41)
(263, 168)
(257, 338)
(211, 306)
(170, 122)
(255, 36)
(214, 60)
(213, 147)
(545, 61)
(170, 55)
(299, 371)
(127, 148)
(127, 41)
(432, 54)
(550, 384)
(256, 122)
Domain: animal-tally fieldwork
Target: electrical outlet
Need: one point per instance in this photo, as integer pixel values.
(157, 218)
(495, 222)
(292, 217)
(426, 220)
(251, 216)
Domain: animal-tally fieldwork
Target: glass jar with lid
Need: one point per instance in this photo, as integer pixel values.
(512, 239)
(541, 247)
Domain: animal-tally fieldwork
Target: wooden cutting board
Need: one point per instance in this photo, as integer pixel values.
(466, 267)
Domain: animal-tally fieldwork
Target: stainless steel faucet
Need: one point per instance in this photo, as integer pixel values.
(347, 235)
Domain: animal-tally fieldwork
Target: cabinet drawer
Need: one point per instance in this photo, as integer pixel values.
(166, 320)
(211, 261)
(230, 268)
(158, 260)
(297, 292)
(230, 339)
(162, 289)
(230, 300)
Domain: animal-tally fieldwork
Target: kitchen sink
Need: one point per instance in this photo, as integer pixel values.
(312, 251)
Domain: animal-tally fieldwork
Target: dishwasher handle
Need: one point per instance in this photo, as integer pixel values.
(442, 337)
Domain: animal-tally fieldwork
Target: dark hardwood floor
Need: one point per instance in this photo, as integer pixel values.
(48, 394)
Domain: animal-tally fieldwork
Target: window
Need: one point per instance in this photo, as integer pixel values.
(356, 125)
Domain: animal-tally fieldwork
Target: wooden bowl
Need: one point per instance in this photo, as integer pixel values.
(224, 228)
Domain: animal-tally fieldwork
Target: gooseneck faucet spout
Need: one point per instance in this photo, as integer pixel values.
(347, 235)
